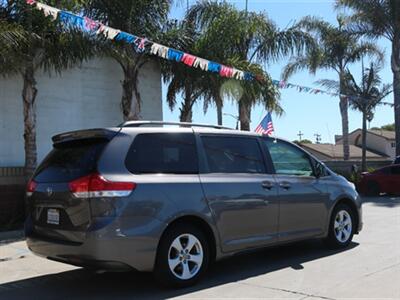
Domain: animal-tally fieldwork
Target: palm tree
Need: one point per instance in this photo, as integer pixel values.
(181, 79)
(246, 37)
(376, 19)
(186, 81)
(11, 36)
(336, 49)
(364, 97)
(36, 43)
(144, 18)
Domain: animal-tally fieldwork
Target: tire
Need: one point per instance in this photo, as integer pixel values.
(341, 227)
(189, 266)
(373, 189)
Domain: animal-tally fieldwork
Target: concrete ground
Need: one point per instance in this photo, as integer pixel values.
(370, 268)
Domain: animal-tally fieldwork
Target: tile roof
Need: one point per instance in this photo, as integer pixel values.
(336, 151)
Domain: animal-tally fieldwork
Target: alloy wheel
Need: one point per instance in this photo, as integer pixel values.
(185, 256)
(343, 226)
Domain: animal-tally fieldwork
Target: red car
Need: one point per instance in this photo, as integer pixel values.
(385, 180)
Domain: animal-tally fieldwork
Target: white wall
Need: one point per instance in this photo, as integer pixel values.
(374, 142)
(391, 151)
(84, 97)
(379, 144)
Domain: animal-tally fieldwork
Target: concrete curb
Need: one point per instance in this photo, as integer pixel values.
(11, 235)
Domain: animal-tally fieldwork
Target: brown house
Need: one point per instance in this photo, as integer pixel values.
(330, 152)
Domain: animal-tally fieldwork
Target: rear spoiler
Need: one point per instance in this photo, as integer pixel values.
(108, 134)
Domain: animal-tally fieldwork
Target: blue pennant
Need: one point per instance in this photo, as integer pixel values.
(126, 37)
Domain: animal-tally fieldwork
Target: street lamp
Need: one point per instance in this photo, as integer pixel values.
(235, 117)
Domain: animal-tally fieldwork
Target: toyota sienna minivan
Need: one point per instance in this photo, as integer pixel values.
(171, 198)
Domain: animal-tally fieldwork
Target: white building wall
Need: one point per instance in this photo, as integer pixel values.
(390, 150)
(375, 142)
(84, 97)
(379, 144)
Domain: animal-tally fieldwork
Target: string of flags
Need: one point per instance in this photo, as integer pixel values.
(281, 84)
(141, 45)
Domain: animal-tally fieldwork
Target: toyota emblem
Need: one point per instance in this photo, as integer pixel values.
(49, 191)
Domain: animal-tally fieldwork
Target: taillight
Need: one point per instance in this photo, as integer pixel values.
(30, 188)
(95, 185)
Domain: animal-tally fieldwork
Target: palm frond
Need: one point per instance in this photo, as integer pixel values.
(329, 84)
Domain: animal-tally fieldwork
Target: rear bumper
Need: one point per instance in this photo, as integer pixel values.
(110, 248)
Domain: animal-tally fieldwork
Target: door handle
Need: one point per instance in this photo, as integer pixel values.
(268, 185)
(285, 185)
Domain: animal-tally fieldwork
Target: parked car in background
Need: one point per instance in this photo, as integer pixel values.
(382, 181)
(172, 200)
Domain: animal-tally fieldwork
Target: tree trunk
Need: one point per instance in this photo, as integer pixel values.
(186, 113)
(244, 116)
(131, 98)
(29, 93)
(187, 105)
(344, 112)
(219, 104)
(396, 88)
(219, 114)
(364, 142)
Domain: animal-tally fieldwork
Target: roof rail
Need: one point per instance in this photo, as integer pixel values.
(160, 123)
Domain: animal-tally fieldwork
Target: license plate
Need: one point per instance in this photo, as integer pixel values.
(53, 217)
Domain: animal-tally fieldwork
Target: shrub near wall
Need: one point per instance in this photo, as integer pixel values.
(12, 198)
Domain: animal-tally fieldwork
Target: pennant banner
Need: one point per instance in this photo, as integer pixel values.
(140, 44)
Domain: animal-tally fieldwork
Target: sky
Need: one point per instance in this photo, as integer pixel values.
(308, 113)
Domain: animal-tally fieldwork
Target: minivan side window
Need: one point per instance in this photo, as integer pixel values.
(163, 153)
(233, 154)
(395, 170)
(288, 159)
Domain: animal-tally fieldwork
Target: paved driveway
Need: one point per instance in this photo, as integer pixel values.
(370, 268)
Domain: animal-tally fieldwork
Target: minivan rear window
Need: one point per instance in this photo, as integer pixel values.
(70, 160)
(165, 153)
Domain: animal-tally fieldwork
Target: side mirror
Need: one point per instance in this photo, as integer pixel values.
(319, 170)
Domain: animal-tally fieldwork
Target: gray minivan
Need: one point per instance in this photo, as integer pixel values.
(173, 197)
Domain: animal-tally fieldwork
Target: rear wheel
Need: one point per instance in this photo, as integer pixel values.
(182, 257)
(341, 227)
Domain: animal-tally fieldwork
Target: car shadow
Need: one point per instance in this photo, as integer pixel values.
(81, 284)
(383, 201)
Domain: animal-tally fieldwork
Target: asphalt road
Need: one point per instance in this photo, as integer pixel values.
(370, 268)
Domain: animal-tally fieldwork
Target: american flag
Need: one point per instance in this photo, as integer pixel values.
(266, 127)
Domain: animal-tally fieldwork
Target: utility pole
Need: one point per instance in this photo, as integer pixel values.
(247, 6)
(318, 138)
(300, 135)
(187, 5)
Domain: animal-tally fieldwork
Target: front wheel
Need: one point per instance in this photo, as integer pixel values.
(182, 257)
(341, 227)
